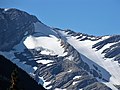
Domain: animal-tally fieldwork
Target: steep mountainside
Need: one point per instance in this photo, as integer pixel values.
(59, 59)
(25, 82)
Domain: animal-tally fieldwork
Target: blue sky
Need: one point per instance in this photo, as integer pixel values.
(96, 17)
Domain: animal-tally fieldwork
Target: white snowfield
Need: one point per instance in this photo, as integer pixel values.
(46, 39)
(51, 44)
(110, 69)
(44, 61)
(76, 77)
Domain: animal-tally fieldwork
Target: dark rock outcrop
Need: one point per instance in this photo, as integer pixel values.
(25, 81)
(14, 25)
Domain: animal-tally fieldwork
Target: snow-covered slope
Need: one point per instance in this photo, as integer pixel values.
(109, 68)
(46, 45)
(60, 59)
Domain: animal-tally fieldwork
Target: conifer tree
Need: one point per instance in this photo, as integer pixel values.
(14, 80)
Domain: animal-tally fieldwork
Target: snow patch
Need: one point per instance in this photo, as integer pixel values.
(6, 9)
(70, 57)
(49, 43)
(75, 82)
(59, 89)
(35, 68)
(69, 71)
(44, 61)
(49, 65)
(47, 52)
(49, 87)
(44, 83)
(77, 77)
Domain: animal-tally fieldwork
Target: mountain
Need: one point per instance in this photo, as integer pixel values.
(59, 59)
(7, 68)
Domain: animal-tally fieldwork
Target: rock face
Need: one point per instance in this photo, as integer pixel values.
(14, 25)
(47, 56)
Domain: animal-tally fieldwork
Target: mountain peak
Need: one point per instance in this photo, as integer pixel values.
(16, 24)
(59, 59)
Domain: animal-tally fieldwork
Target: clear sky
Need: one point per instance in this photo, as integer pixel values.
(96, 17)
